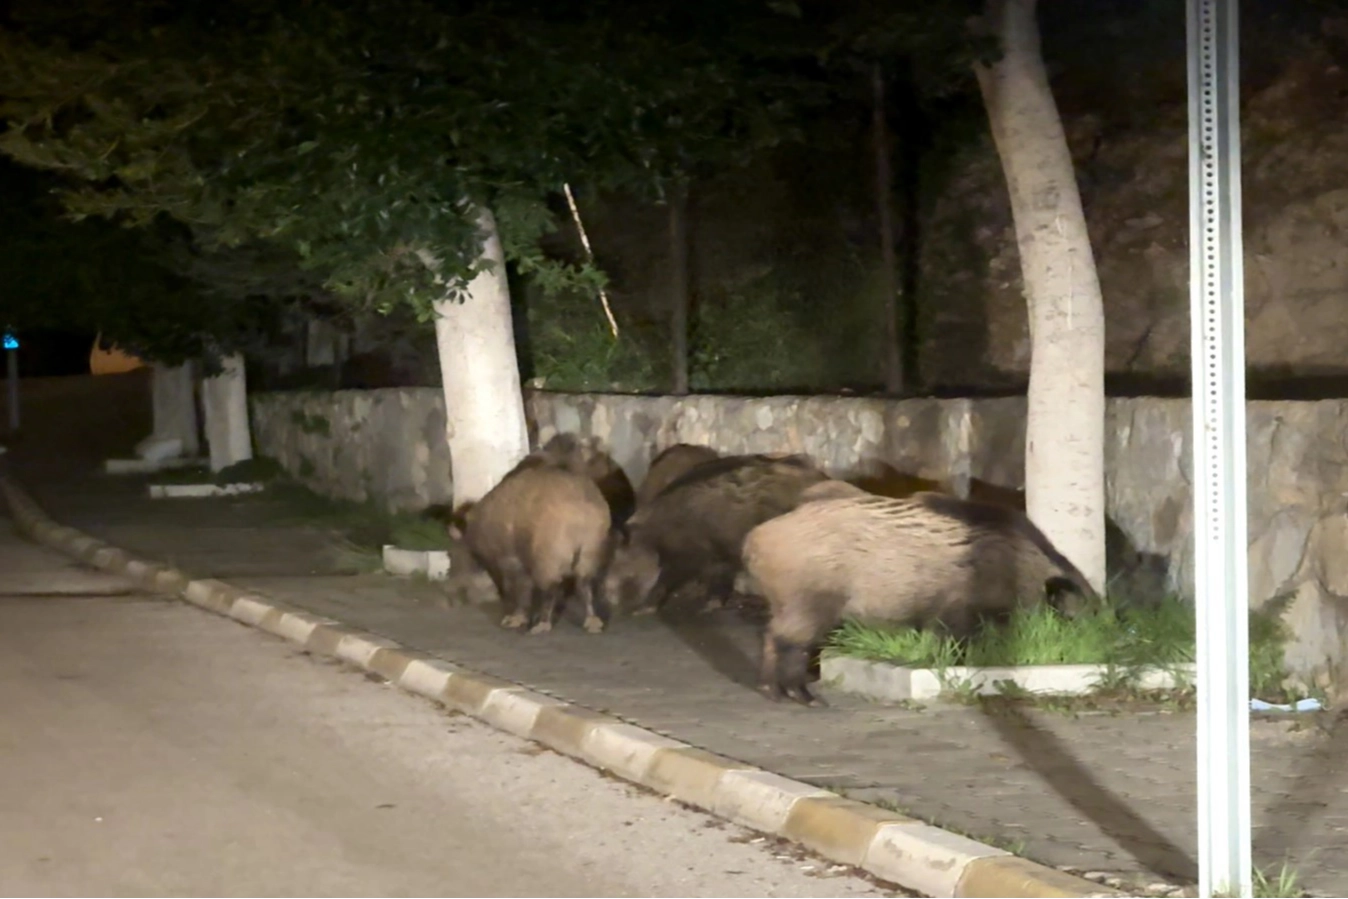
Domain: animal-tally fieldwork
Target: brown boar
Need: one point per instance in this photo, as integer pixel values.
(669, 465)
(613, 482)
(694, 529)
(541, 533)
(587, 456)
(882, 479)
(928, 560)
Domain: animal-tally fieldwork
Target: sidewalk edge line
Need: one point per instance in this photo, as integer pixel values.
(911, 853)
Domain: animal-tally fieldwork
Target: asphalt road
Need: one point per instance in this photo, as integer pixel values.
(151, 749)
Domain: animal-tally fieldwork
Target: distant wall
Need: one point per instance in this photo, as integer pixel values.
(389, 445)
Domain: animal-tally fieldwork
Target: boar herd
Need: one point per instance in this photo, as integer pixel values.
(566, 522)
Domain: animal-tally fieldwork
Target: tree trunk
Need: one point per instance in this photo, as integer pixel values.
(479, 372)
(884, 189)
(224, 399)
(913, 136)
(678, 287)
(1064, 441)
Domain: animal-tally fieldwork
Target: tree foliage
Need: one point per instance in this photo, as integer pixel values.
(357, 135)
(124, 284)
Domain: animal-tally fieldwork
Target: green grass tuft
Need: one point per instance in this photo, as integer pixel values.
(365, 526)
(1284, 883)
(418, 533)
(1127, 639)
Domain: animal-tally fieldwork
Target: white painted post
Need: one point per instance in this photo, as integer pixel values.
(1217, 322)
(175, 405)
(175, 414)
(224, 399)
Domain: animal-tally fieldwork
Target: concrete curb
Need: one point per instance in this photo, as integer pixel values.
(888, 682)
(889, 845)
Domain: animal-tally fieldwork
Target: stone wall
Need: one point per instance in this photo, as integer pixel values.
(382, 445)
(388, 445)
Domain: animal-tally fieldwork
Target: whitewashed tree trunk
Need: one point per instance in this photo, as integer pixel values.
(224, 400)
(175, 414)
(1065, 431)
(484, 406)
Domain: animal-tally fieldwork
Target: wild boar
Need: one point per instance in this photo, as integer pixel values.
(694, 529)
(541, 533)
(670, 464)
(926, 560)
(588, 457)
(883, 479)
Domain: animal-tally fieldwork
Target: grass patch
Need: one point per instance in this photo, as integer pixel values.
(1162, 634)
(1284, 882)
(364, 526)
(418, 533)
(1124, 639)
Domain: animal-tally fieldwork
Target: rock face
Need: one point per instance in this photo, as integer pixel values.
(388, 446)
(1135, 191)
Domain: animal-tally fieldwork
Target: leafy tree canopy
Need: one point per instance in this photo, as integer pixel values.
(124, 284)
(358, 135)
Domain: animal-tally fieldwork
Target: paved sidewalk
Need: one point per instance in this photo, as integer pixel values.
(1095, 793)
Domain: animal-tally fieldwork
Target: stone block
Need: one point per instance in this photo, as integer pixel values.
(516, 711)
(837, 828)
(1011, 877)
(760, 799)
(690, 775)
(625, 749)
(924, 858)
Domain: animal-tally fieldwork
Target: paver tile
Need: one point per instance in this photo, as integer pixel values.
(1095, 792)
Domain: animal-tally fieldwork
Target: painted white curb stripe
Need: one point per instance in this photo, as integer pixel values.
(760, 799)
(249, 610)
(915, 855)
(423, 677)
(930, 860)
(359, 650)
(515, 709)
(626, 749)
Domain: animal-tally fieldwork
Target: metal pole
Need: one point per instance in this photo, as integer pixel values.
(12, 367)
(1217, 322)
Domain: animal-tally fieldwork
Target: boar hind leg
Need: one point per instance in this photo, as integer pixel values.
(793, 663)
(517, 597)
(785, 670)
(798, 624)
(720, 582)
(547, 599)
(588, 592)
(769, 679)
